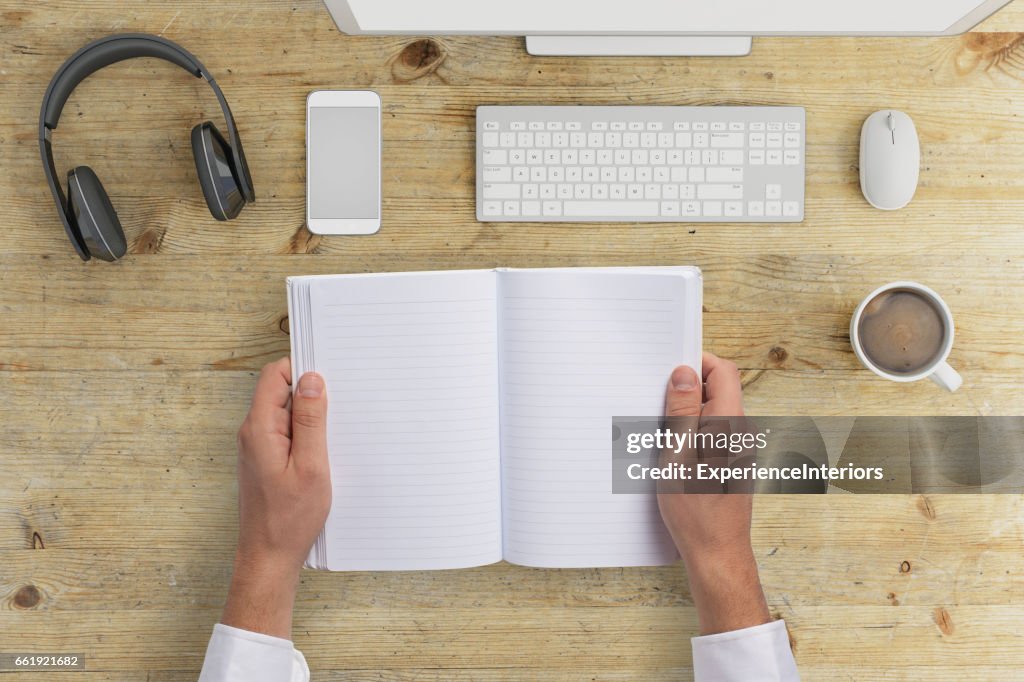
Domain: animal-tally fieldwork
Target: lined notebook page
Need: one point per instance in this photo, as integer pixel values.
(577, 348)
(410, 362)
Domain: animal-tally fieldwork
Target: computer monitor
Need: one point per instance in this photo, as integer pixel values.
(657, 27)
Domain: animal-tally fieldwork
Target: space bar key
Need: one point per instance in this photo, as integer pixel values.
(610, 209)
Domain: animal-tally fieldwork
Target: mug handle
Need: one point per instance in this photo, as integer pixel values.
(946, 376)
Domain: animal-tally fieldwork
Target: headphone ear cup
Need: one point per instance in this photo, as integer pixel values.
(90, 208)
(216, 170)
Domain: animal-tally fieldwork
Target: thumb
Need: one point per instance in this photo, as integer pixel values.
(684, 395)
(309, 420)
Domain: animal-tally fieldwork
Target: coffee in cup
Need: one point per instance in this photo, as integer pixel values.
(904, 332)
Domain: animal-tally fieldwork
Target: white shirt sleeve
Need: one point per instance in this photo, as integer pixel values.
(235, 655)
(758, 654)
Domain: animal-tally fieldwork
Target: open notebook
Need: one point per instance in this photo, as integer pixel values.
(470, 411)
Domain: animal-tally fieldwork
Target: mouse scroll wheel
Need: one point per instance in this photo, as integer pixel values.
(891, 121)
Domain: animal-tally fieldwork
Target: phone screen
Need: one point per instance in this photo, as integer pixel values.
(344, 163)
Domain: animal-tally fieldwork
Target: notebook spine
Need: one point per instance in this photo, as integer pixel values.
(300, 327)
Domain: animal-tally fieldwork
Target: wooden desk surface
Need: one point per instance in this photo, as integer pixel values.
(122, 385)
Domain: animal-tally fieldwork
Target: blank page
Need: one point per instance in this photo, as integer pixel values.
(577, 348)
(410, 361)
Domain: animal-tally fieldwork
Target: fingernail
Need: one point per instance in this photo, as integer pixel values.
(684, 379)
(311, 385)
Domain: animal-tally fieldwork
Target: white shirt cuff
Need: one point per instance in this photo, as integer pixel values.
(235, 655)
(758, 654)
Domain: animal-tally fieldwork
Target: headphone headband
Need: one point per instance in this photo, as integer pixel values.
(104, 52)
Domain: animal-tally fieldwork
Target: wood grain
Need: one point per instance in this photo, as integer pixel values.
(123, 384)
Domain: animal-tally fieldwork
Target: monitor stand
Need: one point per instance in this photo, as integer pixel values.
(638, 46)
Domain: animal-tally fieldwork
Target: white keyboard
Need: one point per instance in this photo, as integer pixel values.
(640, 164)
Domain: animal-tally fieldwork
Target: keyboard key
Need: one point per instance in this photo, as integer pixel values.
(720, 191)
(775, 127)
(724, 174)
(733, 209)
(709, 158)
(573, 125)
(727, 140)
(496, 191)
(737, 126)
(684, 140)
(755, 209)
(774, 140)
(581, 191)
(531, 208)
(717, 126)
(670, 191)
(696, 174)
(491, 139)
(652, 191)
(490, 125)
(511, 208)
(791, 140)
(654, 125)
(599, 125)
(614, 209)
(757, 157)
(687, 191)
(712, 209)
(773, 209)
(552, 208)
(731, 157)
(700, 140)
(542, 140)
(547, 191)
(689, 209)
(774, 157)
(670, 209)
(618, 125)
(531, 191)
(600, 191)
(554, 125)
(636, 125)
(495, 157)
(792, 126)
(791, 208)
(535, 125)
(524, 140)
(517, 156)
(773, 192)
(700, 126)
(681, 126)
(757, 127)
(492, 208)
(517, 125)
(520, 173)
(791, 157)
(665, 140)
(497, 174)
(757, 140)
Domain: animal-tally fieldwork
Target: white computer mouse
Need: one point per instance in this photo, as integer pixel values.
(890, 159)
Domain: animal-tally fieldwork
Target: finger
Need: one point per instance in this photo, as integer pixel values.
(723, 393)
(309, 423)
(683, 397)
(273, 388)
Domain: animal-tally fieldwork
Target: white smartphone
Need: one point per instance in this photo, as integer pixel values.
(343, 150)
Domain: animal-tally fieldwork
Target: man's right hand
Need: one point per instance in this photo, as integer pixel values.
(712, 531)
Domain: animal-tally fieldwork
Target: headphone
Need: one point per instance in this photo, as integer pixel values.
(89, 218)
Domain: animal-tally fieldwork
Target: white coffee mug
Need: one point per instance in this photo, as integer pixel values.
(938, 370)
